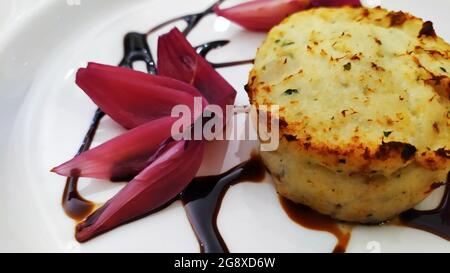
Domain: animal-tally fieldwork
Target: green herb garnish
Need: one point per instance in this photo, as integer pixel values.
(348, 66)
(387, 133)
(291, 91)
(287, 43)
(443, 69)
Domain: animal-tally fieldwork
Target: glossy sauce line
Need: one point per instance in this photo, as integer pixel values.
(436, 221)
(75, 206)
(205, 48)
(203, 197)
(308, 218)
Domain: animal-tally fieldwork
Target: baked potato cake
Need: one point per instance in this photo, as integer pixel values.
(364, 98)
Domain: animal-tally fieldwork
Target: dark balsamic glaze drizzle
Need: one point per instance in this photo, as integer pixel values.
(192, 20)
(230, 64)
(73, 203)
(205, 48)
(311, 219)
(136, 49)
(203, 197)
(436, 221)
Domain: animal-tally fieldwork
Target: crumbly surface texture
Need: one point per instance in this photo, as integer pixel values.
(364, 98)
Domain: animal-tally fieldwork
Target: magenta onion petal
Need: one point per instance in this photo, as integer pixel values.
(262, 15)
(122, 157)
(159, 183)
(177, 59)
(132, 98)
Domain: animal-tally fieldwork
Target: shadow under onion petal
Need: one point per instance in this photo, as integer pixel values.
(159, 183)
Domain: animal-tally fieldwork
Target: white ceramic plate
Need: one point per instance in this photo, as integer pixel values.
(44, 116)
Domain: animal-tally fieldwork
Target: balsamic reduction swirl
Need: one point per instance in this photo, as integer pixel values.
(205, 48)
(136, 49)
(203, 197)
(436, 221)
(73, 203)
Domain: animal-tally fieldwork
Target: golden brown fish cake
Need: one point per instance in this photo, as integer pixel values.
(365, 102)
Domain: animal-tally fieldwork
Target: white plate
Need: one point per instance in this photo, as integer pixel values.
(44, 116)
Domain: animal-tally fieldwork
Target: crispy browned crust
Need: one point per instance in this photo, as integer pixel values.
(359, 155)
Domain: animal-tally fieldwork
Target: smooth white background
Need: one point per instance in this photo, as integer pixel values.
(43, 116)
